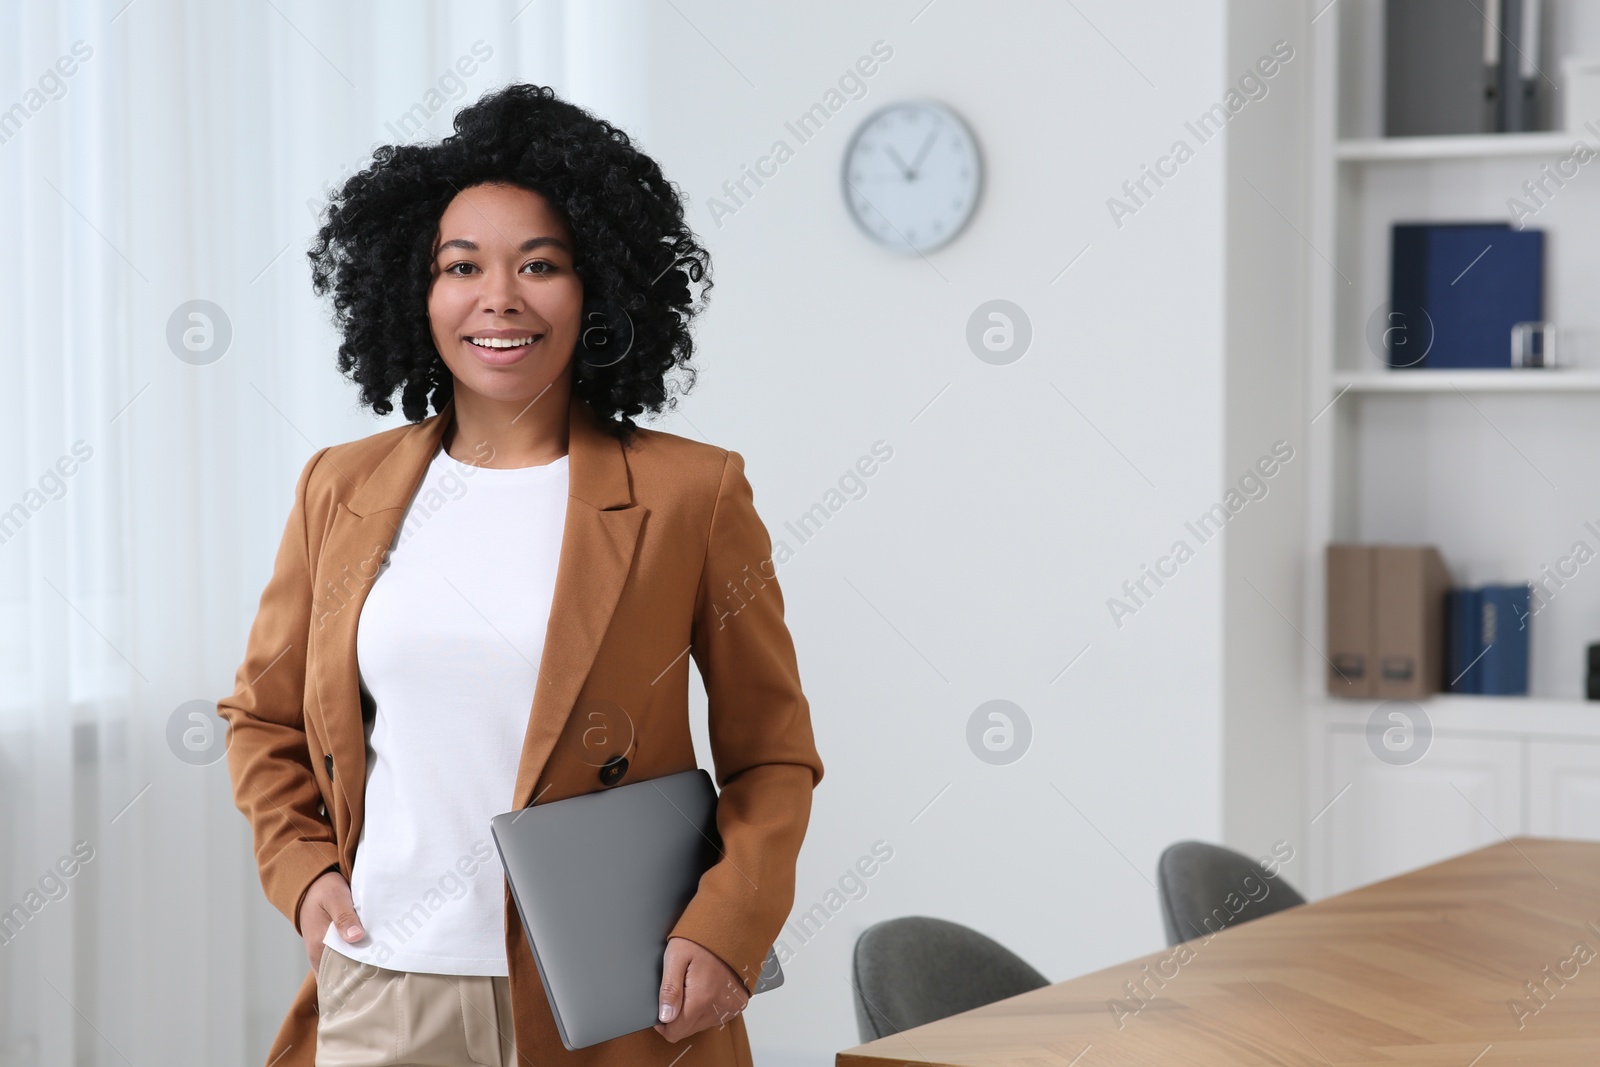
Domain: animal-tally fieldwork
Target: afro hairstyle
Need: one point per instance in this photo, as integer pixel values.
(634, 253)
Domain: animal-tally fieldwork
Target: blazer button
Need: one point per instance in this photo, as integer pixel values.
(614, 769)
(327, 763)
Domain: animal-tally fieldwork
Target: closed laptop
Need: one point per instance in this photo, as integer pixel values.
(599, 881)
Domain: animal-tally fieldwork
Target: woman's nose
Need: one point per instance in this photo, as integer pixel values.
(500, 293)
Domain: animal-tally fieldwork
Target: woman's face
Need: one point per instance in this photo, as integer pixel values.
(502, 273)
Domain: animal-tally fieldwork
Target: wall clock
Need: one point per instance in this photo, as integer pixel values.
(911, 175)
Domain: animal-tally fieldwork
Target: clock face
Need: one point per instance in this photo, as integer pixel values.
(911, 175)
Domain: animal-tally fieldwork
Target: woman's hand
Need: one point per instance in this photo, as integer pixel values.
(698, 990)
(328, 901)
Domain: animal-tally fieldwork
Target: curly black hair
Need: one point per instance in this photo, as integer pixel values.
(635, 253)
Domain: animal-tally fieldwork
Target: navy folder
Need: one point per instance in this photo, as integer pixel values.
(1488, 640)
(1504, 610)
(1466, 666)
(1455, 291)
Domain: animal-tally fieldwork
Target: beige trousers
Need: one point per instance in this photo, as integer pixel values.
(370, 1016)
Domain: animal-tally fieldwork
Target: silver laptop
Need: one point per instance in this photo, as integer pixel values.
(599, 881)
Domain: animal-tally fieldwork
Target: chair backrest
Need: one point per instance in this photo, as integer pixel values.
(914, 970)
(1206, 888)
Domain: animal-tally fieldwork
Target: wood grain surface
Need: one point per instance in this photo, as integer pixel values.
(1488, 959)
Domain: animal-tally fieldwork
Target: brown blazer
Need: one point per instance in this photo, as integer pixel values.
(663, 557)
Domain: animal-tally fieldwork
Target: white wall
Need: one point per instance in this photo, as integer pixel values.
(980, 561)
(1266, 336)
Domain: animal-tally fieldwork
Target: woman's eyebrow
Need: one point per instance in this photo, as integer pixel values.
(527, 246)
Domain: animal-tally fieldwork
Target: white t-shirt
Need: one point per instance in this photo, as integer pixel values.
(448, 644)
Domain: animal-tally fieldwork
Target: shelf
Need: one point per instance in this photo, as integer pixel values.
(1482, 146)
(1538, 716)
(1469, 381)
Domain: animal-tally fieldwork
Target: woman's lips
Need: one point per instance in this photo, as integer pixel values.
(500, 357)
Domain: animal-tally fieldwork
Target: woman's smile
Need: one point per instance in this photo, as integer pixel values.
(500, 348)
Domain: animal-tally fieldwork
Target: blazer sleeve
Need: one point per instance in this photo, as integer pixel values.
(761, 738)
(268, 756)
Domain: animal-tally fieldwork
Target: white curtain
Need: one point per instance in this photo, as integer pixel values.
(155, 153)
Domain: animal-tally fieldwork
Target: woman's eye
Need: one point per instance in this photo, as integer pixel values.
(545, 267)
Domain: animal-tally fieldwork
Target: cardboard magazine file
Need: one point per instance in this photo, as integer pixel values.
(1410, 586)
(1385, 621)
(1349, 602)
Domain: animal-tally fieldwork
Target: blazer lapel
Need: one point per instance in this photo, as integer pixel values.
(597, 550)
(599, 535)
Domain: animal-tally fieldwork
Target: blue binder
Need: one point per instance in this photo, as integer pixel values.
(1466, 669)
(1503, 610)
(1488, 640)
(1456, 289)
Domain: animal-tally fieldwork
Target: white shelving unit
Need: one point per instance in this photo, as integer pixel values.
(1468, 381)
(1499, 469)
(1553, 143)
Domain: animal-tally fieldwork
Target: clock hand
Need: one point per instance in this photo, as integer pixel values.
(916, 164)
(905, 171)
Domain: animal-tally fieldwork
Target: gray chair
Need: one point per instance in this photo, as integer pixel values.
(1194, 880)
(914, 970)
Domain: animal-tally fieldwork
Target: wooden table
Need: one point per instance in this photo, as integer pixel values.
(1423, 969)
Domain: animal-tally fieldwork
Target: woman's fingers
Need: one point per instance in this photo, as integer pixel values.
(329, 898)
(333, 897)
(341, 909)
(674, 976)
(698, 991)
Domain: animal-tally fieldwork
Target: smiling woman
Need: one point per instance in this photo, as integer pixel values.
(406, 680)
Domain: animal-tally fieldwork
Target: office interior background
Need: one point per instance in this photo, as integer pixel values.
(1160, 336)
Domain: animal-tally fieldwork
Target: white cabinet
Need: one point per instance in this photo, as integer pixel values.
(1461, 795)
(1564, 789)
(1494, 768)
